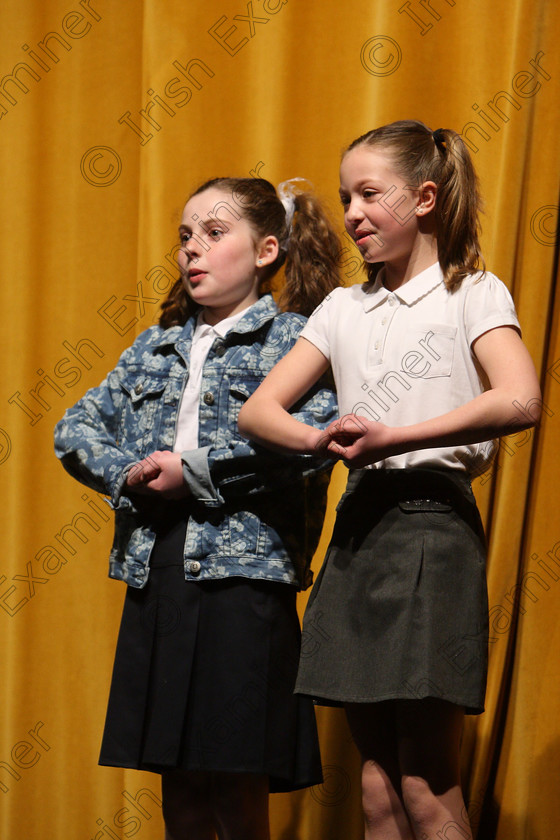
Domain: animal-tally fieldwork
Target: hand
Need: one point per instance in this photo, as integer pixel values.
(358, 441)
(161, 473)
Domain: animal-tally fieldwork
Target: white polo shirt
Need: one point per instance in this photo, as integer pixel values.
(203, 339)
(405, 356)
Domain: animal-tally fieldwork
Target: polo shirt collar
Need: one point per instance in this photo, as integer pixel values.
(409, 293)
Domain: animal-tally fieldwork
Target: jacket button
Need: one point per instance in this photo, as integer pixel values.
(194, 567)
(139, 388)
(220, 350)
(208, 398)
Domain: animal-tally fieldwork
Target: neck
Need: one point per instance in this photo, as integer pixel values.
(213, 315)
(398, 272)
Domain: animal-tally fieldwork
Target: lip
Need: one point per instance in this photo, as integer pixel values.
(361, 236)
(195, 274)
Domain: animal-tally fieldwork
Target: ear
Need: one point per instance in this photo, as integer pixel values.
(427, 193)
(267, 250)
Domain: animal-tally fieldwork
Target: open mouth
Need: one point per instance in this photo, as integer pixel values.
(362, 238)
(195, 274)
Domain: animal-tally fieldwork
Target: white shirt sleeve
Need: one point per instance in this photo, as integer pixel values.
(317, 328)
(488, 304)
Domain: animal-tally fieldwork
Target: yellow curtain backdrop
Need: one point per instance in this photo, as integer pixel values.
(110, 114)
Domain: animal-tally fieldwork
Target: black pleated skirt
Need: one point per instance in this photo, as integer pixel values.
(400, 608)
(204, 676)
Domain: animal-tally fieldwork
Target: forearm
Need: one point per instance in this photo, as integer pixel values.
(265, 421)
(360, 442)
(490, 415)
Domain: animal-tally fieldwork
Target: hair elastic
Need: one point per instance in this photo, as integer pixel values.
(439, 139)
(287, 193)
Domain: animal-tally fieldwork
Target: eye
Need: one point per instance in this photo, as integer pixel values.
(215, 233)
(369, 194)
(184, 237)
(344, 200)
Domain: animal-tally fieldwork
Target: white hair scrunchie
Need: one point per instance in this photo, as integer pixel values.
(287, 192)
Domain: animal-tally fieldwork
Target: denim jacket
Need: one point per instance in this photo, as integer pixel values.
(251, 513)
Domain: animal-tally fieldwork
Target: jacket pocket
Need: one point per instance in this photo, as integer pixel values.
(143, 407)
(239, 392)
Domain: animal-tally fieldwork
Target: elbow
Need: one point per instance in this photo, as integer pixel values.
(529, 408)
(243, 422)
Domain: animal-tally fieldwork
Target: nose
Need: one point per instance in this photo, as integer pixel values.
(353, 212)
(191, 249)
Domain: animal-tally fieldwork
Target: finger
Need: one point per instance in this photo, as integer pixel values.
(352, 425)
(337, 449)
(134, 475)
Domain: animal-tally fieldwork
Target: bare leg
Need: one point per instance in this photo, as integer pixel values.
(374, 731)
(241, 806)
(187, 805)
(429, 738)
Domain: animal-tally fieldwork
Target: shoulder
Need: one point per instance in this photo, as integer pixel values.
(145, 345)
(487, 304)
(484, 283)
(289, 322)
(282, 333)
(341, 299)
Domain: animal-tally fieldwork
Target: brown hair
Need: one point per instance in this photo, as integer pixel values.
(309, 248)
(440, 156)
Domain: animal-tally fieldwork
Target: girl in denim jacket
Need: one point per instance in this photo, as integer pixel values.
(213, 535)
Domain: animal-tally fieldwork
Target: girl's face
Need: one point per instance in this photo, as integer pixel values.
(379, 206)
(219, 253)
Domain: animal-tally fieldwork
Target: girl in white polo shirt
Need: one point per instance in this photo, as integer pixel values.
(430, 368)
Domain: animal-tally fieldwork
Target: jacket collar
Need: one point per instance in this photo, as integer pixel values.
(409, 293)
(256, 316)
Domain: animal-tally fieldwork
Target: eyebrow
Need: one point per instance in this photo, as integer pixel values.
(204, 224)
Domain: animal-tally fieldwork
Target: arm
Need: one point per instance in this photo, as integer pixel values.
(215, 476)
(94, 441)
(265, 417)
(512, 403)
(86, 442)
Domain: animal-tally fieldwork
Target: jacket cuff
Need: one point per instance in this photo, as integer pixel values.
(118, 501)
(196, 472)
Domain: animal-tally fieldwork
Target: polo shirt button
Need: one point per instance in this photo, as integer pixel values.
(194, 567)
(208, 398)
(391, 300)
(377, 345)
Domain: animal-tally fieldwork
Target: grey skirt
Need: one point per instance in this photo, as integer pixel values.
(400, 607)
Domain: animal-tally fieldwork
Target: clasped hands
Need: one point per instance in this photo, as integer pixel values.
(160, 473)
(352, 439)
(356, 441)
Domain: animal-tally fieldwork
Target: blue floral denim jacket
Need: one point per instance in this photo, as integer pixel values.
(253, 513)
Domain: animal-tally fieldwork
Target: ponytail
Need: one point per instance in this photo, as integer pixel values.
(312, 267)
(442, 157)
(457, 207)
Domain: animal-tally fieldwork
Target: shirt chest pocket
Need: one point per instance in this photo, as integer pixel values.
(431, 350)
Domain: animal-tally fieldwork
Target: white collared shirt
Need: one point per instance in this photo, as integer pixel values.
(405, 356)
(203, 338)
